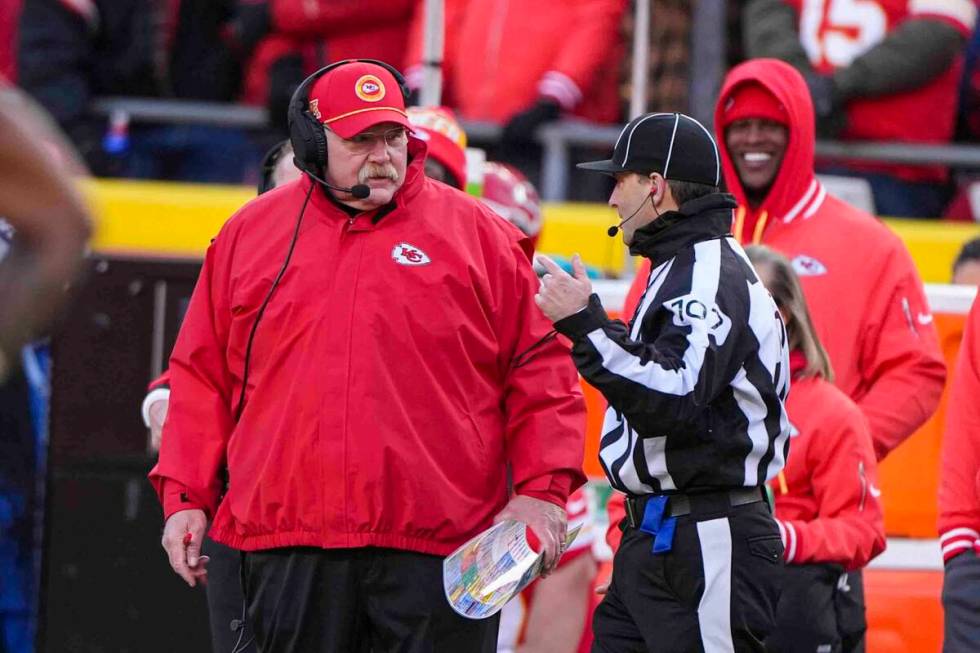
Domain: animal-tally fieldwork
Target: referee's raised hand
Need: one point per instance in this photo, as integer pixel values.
(562, 294)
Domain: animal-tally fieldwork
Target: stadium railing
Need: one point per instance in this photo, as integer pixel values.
(557, 139)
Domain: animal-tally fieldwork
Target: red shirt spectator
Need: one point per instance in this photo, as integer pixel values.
(320, 32)
(501, 57)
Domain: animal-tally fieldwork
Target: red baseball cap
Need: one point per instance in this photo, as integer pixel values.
(356, 95)
(753, 100)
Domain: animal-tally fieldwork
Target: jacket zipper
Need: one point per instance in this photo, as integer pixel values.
(348, 517)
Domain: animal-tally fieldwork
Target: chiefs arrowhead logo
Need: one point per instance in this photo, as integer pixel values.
(807, 266)
(369, 88)
(315, 108)
(406, 254)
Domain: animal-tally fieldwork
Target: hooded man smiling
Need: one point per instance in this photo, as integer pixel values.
(870, 309)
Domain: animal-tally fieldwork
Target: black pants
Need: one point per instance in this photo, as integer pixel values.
(806, 619)
(961, 603)
(716, 590)
(851, 620)
(225, 599)
(308, 600)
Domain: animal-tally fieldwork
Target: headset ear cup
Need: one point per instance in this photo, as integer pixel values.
(319, 144)
(309, 142)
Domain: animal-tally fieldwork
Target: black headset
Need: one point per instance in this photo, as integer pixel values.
(306, 132)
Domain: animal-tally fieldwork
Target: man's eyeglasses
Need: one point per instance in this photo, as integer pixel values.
(367, 141)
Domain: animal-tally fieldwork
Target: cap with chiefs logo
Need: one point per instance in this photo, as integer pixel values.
(355, 96)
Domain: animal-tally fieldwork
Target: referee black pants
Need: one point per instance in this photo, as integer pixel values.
(311, 600)
(715, 591)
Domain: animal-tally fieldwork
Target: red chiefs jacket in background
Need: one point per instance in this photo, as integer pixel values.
(959, 480)
(502, 55)
(826, 497)
(827, 503)
(400, 365)
(864, 293)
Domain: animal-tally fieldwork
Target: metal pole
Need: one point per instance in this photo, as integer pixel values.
(555, 162)
(641, 58)
(430, 95)
(708, 57)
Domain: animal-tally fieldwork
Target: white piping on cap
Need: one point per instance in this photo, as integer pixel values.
(629, 139)
(670, 149)
(713, 145)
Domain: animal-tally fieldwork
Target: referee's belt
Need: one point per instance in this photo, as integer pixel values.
(679, 505)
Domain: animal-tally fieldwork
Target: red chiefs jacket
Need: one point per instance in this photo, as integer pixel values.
(501, 56)
(864, 293)
(400, 366)
(959, 480)
(826, 497)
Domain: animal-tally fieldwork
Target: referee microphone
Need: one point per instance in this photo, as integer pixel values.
(613, 230)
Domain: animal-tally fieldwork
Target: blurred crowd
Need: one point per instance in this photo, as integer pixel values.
(888, 70)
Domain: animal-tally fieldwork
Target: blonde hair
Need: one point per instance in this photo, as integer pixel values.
(784, 286)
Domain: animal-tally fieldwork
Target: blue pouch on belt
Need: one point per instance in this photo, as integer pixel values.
(654, 524)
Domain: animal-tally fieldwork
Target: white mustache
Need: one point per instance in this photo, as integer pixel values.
(375, 171)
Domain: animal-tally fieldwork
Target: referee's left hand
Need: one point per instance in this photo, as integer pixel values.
(562, 294)
(548, 522)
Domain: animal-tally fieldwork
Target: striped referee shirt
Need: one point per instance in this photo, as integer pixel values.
(696, 383)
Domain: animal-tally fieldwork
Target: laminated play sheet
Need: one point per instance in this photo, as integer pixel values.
(491, 569)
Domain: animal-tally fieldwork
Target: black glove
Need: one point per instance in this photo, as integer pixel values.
(828, 107)
(250, 25)
(519, 131)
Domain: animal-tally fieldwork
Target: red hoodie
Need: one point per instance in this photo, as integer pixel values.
(959, 479)
(398, 370)
(860, 282)
(827, 503)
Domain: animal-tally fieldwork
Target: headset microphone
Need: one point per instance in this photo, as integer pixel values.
(613, 230)
(359, 191)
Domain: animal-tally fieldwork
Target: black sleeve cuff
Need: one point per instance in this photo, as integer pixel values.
(590, 318)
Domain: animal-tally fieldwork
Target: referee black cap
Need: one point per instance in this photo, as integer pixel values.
(673, 144)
